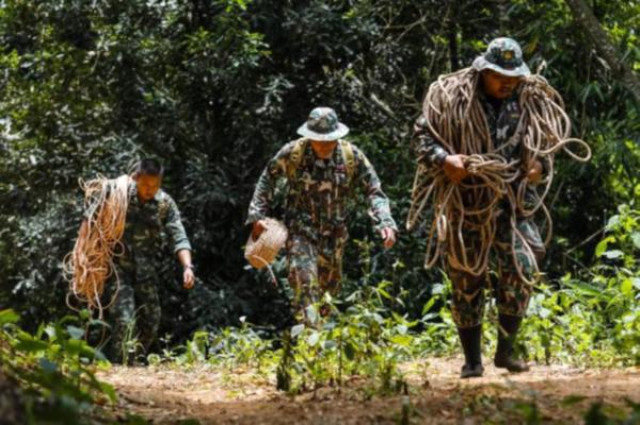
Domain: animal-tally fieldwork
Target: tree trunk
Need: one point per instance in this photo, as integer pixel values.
(587, 21)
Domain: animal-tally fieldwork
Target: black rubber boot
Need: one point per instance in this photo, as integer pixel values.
(470, 338)
(507, 333)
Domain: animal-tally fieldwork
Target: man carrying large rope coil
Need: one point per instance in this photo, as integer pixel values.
(113, 265)
(485, 143)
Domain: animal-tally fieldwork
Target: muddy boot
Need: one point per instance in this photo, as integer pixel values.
(471, 345)
(506, 338)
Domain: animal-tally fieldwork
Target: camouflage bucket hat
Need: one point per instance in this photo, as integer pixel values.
(323, 125)
(503, 55)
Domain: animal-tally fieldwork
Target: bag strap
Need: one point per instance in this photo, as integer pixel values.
(349, 158)
(295, 157)
(163, 207)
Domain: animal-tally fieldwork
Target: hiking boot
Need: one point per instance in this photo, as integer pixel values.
(471, 339)
(471, 371)
(506, 361)
(507, 332)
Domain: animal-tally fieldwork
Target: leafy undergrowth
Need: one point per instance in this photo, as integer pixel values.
(49, 377)
(365, 351)
(362, 358)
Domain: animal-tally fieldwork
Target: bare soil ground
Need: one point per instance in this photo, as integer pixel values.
(435, 395)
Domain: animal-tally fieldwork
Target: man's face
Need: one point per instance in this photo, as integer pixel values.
(498, 85)
(147, 186)
(323, 150)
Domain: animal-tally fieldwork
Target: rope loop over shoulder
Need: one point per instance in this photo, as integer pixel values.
(463, 225)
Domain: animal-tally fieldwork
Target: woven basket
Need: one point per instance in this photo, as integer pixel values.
(262, 251)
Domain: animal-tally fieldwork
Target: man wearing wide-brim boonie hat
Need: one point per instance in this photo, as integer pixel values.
(496, 77)
(323, 125)
(504, 56)
(321, 170)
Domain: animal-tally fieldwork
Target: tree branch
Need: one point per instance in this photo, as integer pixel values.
(584, 17)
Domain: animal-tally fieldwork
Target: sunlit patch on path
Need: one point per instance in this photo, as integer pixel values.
(556, 394)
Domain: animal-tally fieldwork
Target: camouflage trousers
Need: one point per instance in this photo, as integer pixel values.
(511, 293)
(315, 267)
(135, 314)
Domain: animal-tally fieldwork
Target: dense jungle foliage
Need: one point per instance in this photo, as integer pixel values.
(213, 88)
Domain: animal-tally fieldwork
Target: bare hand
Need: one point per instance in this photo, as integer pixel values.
(388, 237)
(535, 171)
(454, 168)
(258, 228)
(188, 278)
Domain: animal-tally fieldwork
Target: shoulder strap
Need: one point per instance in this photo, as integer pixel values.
(295, 157)
(349, 157)
(163, 206)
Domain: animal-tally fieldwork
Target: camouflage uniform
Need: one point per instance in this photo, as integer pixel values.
(316, 213)
(138, 297)
(468, 291)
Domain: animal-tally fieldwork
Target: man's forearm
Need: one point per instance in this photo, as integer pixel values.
(184, 256)
(259, 207)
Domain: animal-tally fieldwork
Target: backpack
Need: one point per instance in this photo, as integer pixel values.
(295, 158)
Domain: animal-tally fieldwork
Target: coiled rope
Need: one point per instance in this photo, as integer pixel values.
(463, 227)
(91, 262)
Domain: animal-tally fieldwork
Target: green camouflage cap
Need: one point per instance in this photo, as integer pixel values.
(323, 125)
(504, 56)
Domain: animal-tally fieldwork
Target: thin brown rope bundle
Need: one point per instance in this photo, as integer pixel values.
(90, 264)
(464, 220)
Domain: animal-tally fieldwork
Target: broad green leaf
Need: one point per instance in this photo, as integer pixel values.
(544, 312)
(438, 288)
(385, 294)
(429, 316)
(402, 329)
(297, 330)
(75, 332)
(313, 338)
(602, 245)
(428, 305)
(48, 366)
(312, 314)
(626, 287)
(403, 340)
(78, 347)
(613, 222)
(584, 288)
(8, 316)
(613, 254)
(328, 345)
(31, 346)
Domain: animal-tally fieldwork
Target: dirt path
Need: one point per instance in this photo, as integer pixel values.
(435, 395)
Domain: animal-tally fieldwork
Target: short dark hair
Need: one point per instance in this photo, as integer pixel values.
(150, 167)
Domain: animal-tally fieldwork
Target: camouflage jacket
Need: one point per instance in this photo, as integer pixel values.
(502, 118)
(317, 195)
(146, 222)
